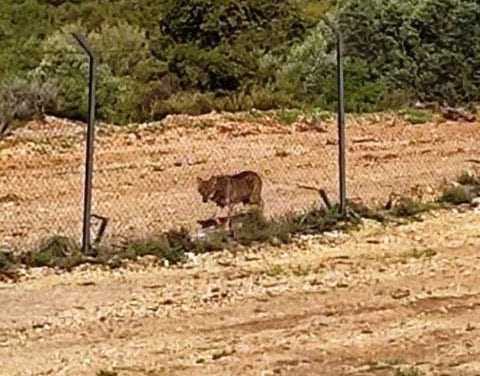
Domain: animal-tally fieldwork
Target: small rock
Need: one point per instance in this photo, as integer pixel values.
(400, 293)
(224, 263)
(476, 202)
(223, 353)
(87, 283)
(469, 327)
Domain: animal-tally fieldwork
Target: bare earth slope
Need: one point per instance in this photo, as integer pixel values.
(367, 303)
(145, 176)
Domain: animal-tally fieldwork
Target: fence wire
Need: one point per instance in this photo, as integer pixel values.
(148, 183)
(389, 157)
(145, 178)
(40, 184)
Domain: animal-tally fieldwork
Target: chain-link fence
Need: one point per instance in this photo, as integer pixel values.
(390, 156)
(145, 176)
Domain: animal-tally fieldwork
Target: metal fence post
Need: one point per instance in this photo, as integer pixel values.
(87, 200)
(342, 160)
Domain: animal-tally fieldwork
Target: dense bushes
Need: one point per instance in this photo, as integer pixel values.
(394, 52)
(195, 56)
(429, 47)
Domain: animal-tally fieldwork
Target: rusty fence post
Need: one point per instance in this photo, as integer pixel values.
(342, 148)
(89, 153)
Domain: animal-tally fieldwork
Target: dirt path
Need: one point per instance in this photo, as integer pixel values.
(145, 179)
(367, 303)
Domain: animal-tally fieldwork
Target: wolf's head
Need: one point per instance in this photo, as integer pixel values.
(206, 188)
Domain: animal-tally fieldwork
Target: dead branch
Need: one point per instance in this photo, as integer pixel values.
(321, 191)
(4, 128)
(364, 140)
(101, 229)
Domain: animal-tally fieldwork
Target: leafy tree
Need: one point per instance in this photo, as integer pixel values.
(23, 24)
(66, 67)
(425, 46)
(216, 45)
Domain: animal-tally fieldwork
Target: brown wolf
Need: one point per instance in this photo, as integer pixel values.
(229, 190)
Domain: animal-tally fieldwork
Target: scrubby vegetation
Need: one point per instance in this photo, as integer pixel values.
(174, 246)
(248, 229)
(466, 188)
(184, 56)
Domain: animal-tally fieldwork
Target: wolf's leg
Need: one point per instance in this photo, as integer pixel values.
(257, 200)
(228, 199)
(261, 205)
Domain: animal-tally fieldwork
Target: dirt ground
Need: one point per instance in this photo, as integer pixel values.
(373, 302)
(145, 175)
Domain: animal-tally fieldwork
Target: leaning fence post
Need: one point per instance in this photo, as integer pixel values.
(342, 160)
(87, 199)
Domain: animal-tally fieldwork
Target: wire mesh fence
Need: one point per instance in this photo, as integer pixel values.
(41, 183)
(389, 156)
(145, 178)
(145, 175)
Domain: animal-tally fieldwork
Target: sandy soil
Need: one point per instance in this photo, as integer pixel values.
(372, 302)
(145, 176)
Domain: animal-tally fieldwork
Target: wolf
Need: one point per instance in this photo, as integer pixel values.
(229, 190)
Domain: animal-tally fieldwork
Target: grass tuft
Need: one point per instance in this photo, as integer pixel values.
(409, 372)
(106, 373)
(467, 189)
(455, 195)
(57, 251)
(248, 228)
(414, 116)
(408, 207)
(468, 178)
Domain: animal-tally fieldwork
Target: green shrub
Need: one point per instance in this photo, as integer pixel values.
(57, 251)
(408, 207)
(6, 260)
(119, 91)
(412, 371)
(195, 103)
(408, 44)
(22, 100)
(23, 24)
(191, 103)
(414, 116)
(468, 178)
(254, 227)
(309, 74)
(170, 246)
(456, 195)
(215, 241)
(208, 24)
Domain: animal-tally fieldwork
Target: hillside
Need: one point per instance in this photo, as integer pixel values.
(183, 56)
